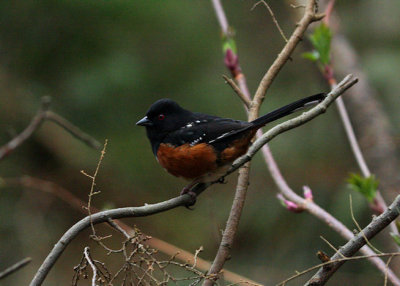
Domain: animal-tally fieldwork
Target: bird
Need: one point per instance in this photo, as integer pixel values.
(200, 147)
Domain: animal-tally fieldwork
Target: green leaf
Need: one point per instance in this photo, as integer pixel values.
(396, 238)
(321, 41)
(229, 44)
(366, 186)
(312, 56)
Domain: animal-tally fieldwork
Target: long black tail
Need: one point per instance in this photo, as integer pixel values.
(288, 109)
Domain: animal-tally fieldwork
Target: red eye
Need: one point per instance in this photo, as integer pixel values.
(161, 117)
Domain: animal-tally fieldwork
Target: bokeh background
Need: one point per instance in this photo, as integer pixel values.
(105, 62)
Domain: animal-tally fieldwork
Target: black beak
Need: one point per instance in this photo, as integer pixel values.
(144, 122)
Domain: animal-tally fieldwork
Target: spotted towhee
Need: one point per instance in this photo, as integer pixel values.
(201, 147)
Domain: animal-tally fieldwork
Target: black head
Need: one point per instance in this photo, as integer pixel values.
(163, 116)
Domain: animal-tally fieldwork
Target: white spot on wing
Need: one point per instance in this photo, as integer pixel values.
(195, 141)
(188, 125)
(220, 137)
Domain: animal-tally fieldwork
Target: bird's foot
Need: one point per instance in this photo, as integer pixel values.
(188, 190)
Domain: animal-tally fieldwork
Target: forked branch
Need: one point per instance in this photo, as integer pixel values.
(41, 116)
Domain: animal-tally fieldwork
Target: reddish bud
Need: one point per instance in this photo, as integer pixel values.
(232, 62)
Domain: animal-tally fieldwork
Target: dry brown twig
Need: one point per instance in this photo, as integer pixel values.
(141, 265)
(92, 193)
(273, 18)
(245, 99)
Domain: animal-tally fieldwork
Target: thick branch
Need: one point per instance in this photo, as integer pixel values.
(355, 244)
(231, 226)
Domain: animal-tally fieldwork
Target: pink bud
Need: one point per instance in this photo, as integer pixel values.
(307, 193)
(290, 206)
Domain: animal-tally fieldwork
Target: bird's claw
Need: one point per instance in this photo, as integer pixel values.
(193, 196)
(221, 180)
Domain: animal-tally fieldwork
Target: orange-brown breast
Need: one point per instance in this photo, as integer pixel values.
(187, 161)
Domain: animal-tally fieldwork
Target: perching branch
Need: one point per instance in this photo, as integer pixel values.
(100, 217)
(41, 116)
(150, 209)
(356, 243)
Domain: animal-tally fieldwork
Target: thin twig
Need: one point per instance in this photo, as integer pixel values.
(355, 147)
(273, 18)
(359, 228)
(13, 268)
(386, 273)
(116, 226)
(246, 101)
(92, 192)
(73, 130)
(331, 246)
(91, 263)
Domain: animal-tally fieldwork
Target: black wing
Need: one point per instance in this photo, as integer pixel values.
(206, 129)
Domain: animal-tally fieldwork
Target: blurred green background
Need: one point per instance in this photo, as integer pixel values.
(105, 62)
